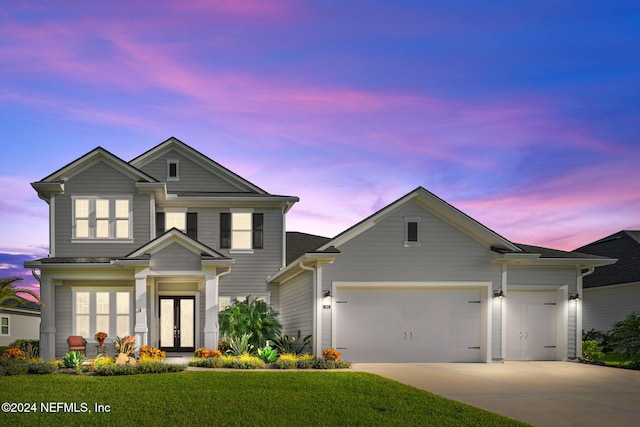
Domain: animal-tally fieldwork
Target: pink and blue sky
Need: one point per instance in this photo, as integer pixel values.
(524, 115)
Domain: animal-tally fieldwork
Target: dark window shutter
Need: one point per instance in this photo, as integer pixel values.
(192, 225)
(412, 231)
(225, 230)
(159, 223)
(258, 230)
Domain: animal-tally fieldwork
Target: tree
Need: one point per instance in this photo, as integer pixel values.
(626, 337)
(9, 293)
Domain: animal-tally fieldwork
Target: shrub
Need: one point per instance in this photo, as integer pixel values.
(341, 364)
(155, 367)
(305, 361)
(212, 362)
(147, 352)
(103, 361)
(246, 361)
(267, 355)
(324, 364)
(625, 337)
(14, 353)
(331, 354)
(41, 368)
(292, 344)
(591, 351)
(240, 345)
(250, 317)
(287, 361)
(14, 367)
(31, 348)
(124, 345)
(73, 360)
(204, 353)
(602, 338)
(223, 345)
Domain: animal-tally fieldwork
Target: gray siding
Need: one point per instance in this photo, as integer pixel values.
(559, 276)
(21, 326)
(602, 307)
(99, 180)
(378, 254)
(193, 177)
(296, 303)
(64, 307)
(176, 257)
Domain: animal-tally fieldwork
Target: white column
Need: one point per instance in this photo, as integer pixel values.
(578, 303)
(319, 295)
(140, 329)
(47, 319)
(211, 331)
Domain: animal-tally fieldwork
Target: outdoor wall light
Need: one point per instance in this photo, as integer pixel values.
(326, 300)
(574, 297)
(498, 294)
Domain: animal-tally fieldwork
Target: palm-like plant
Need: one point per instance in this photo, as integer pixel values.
(9, 293)
(250, 317)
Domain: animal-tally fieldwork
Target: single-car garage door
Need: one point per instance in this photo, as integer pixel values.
(409, 324)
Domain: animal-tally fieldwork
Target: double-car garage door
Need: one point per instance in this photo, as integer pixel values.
(410, 324)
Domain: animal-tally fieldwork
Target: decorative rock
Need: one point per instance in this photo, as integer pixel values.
(122, 359)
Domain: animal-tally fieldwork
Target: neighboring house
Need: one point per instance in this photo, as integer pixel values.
(611, 293)
(157, 246)
(19, 322)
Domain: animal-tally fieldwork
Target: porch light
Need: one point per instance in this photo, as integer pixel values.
(326, 300)
(498, 294)
(574, 297)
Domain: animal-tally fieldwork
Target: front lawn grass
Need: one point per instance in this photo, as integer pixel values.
(238, 398)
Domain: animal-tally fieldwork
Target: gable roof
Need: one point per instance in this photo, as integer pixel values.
(437, 206)
(54, 183)
(210, 165)
(175, 236)
(623, 245)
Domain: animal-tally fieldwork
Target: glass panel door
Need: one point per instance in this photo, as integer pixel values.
(177, 323)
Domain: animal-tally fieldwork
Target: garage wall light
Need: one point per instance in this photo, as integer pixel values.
(574, 297)
(326, 300)
(498, 293)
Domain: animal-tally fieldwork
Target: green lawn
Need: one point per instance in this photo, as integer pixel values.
(238, 398)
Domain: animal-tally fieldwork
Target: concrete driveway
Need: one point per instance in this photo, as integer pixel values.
(539, 393)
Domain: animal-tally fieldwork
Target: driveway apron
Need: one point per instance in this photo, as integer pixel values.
(539, 393)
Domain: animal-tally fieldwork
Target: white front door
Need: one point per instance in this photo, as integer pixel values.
(404, 324)
(531, 325)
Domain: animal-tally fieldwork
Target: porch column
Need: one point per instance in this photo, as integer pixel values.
(47, 319)
(140, 329)
(211, 331)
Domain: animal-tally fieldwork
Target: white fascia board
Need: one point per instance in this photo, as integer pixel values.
(46, 189)
(173, 236)
(307, 259)
(536, 260)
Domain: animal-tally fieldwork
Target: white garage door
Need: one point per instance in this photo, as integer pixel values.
(531, 325)
(402, 324)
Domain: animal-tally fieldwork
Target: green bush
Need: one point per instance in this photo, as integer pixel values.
(14, 367)
(140, 368)
(292, 344)
(212, 362)
(341, 364)
(240, 344)
(73, 360)
(324, 364)
(267, 354)
(246, 361)
(41, 368)
(305, 361)
(591, 351)
(287, 361)
(250, 317)
(31, 348)
(625, 338)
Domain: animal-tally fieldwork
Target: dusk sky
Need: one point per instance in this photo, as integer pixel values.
(524, 115)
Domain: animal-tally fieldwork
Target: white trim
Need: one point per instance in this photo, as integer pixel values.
(113, 315)
(52, 227)
(485, 330)
(412, 244)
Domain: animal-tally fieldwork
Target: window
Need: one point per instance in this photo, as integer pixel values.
(241, 230)
(4, 325)
(101, 218)
(411, 232)
(102, 310)
(172, 170)
(187, 222)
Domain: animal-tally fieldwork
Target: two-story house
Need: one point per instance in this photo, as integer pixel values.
(158, 245)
